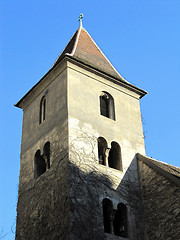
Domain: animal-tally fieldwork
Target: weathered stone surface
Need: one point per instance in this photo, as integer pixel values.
(43, 207)
(161, 199)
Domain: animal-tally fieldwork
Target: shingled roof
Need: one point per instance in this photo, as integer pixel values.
(83, 48)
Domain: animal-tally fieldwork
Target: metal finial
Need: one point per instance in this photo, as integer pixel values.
(80, 19)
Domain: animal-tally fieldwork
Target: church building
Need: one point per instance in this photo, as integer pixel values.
(84, 173)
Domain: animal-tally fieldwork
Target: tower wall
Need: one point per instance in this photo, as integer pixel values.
(65, 202)
(43, 203)
(91, 182)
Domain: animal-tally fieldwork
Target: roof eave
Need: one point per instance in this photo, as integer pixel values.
(139, 91)
(126, 84)
(19, 103)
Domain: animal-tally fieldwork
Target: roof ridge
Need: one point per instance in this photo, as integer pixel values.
(76, 42)
(63, 51)
(158, 161)
(104, 55)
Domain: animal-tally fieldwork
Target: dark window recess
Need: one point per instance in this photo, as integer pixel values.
(104, 105)
(116, 219)
(102, 146)
(42, 110)
(107, 215)
(107, 105)
(114, 159)
(47, 153)
(120, 222)
(42, 162)
(39, 164)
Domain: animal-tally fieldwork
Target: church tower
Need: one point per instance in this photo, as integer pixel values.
(81, 131)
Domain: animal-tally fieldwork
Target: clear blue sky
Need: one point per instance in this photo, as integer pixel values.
(142, 40)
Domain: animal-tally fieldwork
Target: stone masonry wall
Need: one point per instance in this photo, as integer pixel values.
(43, 207)
(91, 182)
(43, 203)
(161, 199)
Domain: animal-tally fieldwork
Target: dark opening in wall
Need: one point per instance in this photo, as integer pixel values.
(120, 222)
(42, 110)
(42, 162)
(114, 158)
(47, 153)
(107, 215)
(39, 164)
(107, 105)
(102, 146)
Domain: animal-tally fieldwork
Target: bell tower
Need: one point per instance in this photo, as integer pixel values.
(80, 135)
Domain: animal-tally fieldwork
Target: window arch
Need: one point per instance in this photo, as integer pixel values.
(120, 223)
(102, 146)
(114, 159)
(107, 215)
(115, 219)
(42, 110)
(107, 105)
(39, 164)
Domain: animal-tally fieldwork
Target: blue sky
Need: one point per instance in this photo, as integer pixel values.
(142, 40)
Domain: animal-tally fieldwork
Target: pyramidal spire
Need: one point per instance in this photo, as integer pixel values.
(84, 49)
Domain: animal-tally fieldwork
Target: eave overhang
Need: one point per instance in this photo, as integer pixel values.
(74, 60)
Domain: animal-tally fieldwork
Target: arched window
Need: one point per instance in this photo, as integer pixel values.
(107, 215)
(47, 153)
(102, 146)
(42, 111)
(39, 164)
(42, 162)
(114, 159)
(107, 105)
(120, 222)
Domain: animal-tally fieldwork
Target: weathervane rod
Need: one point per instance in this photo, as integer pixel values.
(80, 19)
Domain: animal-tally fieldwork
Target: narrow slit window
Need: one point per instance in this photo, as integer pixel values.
(42, 111)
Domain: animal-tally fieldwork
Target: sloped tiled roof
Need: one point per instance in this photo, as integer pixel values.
(83, 48)
(169, 171)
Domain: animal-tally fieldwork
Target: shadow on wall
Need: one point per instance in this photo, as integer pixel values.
(97, 208)
(80, 201)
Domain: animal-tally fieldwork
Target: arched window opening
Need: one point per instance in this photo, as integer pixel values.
(39, 164)
(42, 112)
(120, 222)
(107, 215)
(114, 159)
(47, 153)
(102, 146)
(107, 105)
